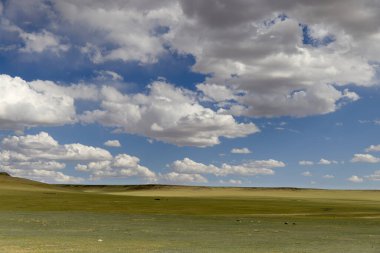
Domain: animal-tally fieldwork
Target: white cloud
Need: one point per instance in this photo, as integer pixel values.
(31, 169)
(21, 105)
(57, 176)
(240, 151)
(375, 122)
(36, 42)
(306, 174)
(235, 181)
(106, 75)
(374, 177)
(112, 143)
(350, 96)
(40, 165)
(256, 47)
(42, 141)
(276, 80)
(43, 146)
(245, 169)
(76, 92)
(43, 41)
(355, 179)
(365, 158)
(216, 92)
(252, 168)
(327, 162)
(168, 114)
(6, 156)
(328, 176)
(174, 177)
(120, 166)
(255, 60)
(41, 174)
(373, 148)
(306, 163)
(189, 166)
(231, 181)
(128, 26)
(39, 156)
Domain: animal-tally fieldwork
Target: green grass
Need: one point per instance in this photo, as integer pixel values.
(36, 217)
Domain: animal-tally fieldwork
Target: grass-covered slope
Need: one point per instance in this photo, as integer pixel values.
(9, 183)
(36, 217)
(26, 195)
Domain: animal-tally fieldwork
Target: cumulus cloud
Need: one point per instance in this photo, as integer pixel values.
(240, 151)
(306, 163)
(166, 113)
(40, 165)
(58, 176)
(183, 178)
(355, 179)
(365, 158)
(21, 105)
(98, 29)
(143, 41)
(43, 146)
(216, 92)
(41, 157)
(106, 75)
(326, 162)
(77, 92)
(35, 42)
(189, 166)
(261, 58)
(120, 166)
(231, 181)
(279, 72)
(47, 176)
(328, 176)
(44, 171)
(251, 168)
(112, 143)
(43, 41)
(189, 171)
(306, 174)
(322, 161)
(373, 148)
(375, 176)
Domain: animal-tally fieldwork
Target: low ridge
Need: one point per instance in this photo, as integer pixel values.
(10, 182)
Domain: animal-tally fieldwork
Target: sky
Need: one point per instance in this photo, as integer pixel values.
(254, 93)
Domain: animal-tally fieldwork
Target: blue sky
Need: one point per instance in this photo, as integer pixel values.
(247, 93)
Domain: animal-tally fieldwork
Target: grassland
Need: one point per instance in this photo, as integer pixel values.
(37, 217)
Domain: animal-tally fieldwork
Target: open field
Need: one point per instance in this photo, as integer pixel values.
(36, 217)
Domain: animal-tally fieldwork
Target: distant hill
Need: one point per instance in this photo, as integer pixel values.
(8, 182)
